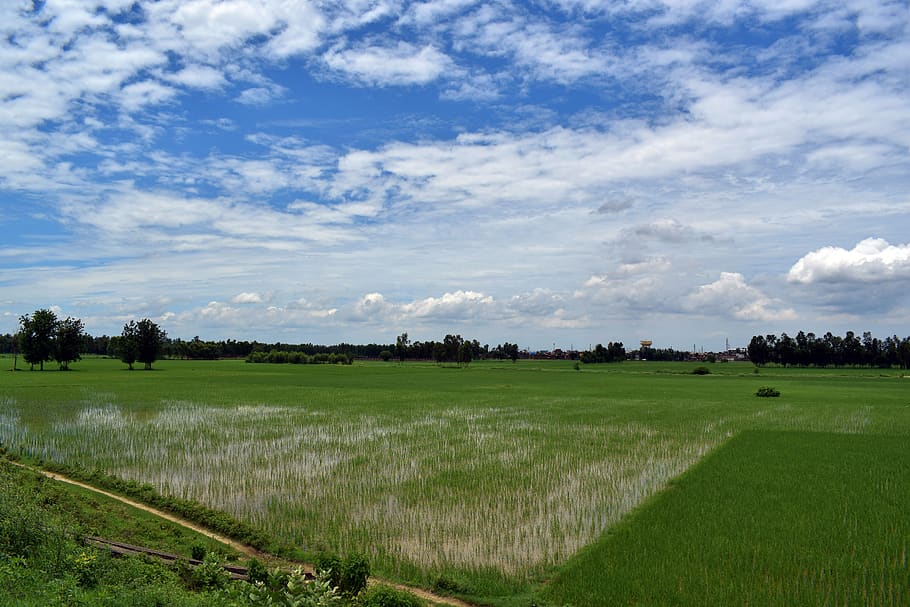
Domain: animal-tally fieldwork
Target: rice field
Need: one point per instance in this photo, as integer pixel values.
(493, 476)
(830, 511)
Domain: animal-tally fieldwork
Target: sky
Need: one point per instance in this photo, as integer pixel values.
(552, 173)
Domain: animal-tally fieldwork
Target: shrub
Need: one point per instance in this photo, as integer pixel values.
(210, 575)
(384, 596)
(197, 551)
(355, 569)
(256, 571)
(348, 575)
(701, 371)
(296, 591)
(767, 392)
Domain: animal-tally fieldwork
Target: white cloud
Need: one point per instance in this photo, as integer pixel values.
(148, 92)
(731, 296)
(548, 52)
(248, 298)
(435, 11)
(872, 260)
(401, 64)
(199, 76)
(457, 305)
(209, 25)
(258, 95)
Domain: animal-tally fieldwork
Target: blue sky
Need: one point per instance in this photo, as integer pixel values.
(558, 172)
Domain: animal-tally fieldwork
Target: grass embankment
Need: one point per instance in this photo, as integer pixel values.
(772, 518)
(43, 561)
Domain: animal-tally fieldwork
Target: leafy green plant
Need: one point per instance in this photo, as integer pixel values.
(197, 551)
(210, 575)
(701, 371)
(256, 571)
(349, 575)
(384, 596)
(298, 591)
(767, 392)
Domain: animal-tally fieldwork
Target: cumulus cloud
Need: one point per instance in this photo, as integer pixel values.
(648, 285)
(731, 296)
(248, 298)
(872, 260)
(457, 305)
(401, 64)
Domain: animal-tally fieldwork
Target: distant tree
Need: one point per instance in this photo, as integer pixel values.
(68, 341)
(141, 342)
(401, 346)
(127, 345)
(386, 355)
(903, 353)
(759, 352)
(150, 341)
(465, 353)
(785, 351)
(439, 352)
(36, 337)
(452, 344)
(508, 350)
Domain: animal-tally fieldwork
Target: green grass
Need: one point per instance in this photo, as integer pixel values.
(772, 518)
(89, 513)
(482, 481)
(43, 561)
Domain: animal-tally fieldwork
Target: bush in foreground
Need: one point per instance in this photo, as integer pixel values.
(767, 392)
(384, 596)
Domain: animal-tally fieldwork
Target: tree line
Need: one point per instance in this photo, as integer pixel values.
(47, 338)
(808, 349)
(42, 337)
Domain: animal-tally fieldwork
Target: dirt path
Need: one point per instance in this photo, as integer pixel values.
(241, 548)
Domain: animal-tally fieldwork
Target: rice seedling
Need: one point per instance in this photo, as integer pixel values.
(492, 476)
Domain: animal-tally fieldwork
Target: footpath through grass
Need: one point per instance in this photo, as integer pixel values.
(772, 518)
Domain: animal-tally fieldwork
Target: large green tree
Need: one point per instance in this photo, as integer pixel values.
(150, 342)
(68, 341)
(141, 341)
(36, 337)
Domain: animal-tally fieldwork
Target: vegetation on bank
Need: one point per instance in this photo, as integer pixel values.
(44, 559)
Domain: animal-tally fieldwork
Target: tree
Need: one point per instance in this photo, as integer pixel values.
(439, 352)
(452, 344)
(758, 350)
(68, 342)
(127, 345)
(36, 337)
(465, 353)
(401, 346)
(508, 350)
(141, 342)
(150, 340)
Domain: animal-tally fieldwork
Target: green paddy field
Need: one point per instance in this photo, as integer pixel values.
(514, 484)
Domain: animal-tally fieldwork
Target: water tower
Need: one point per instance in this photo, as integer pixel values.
(645, 344)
